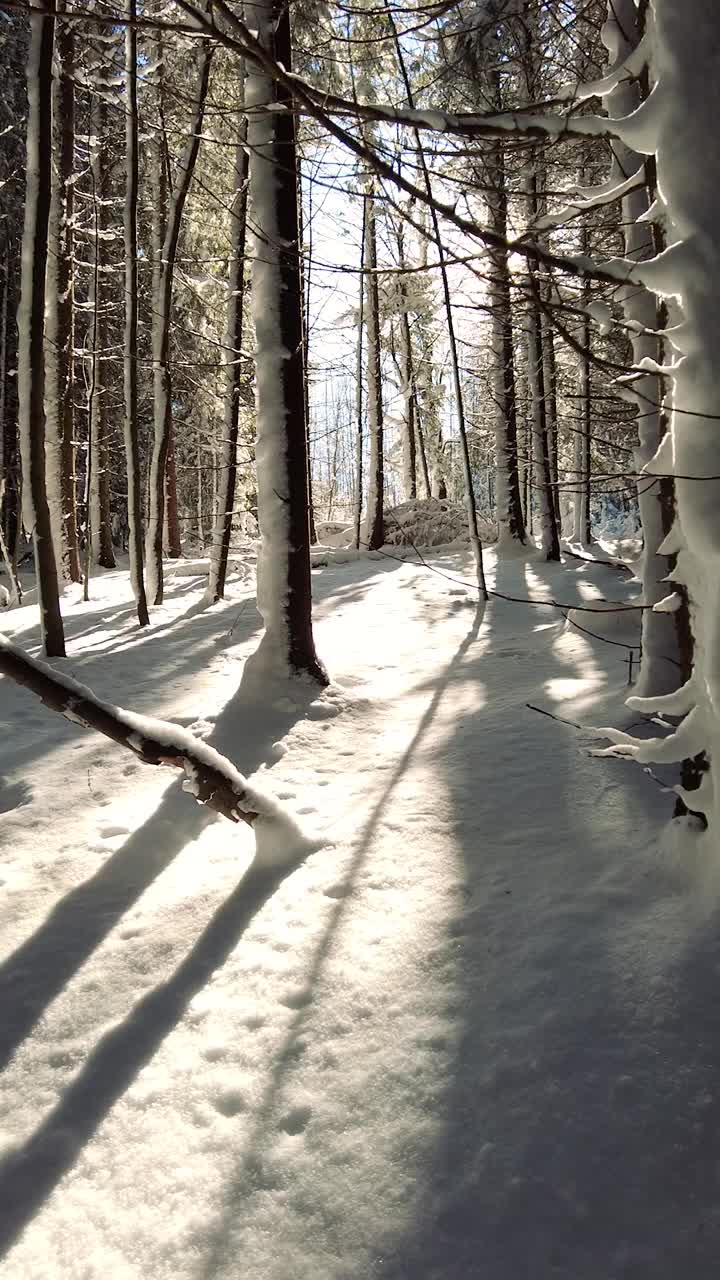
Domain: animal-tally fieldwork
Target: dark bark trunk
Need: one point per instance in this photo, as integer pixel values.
(60, 313)
(233, 345)
(373, 534)
(100, 518)
(285, 589)
(162, 388)
(130, 368)
(31, 322)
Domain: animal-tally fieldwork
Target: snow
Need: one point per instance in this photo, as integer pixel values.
(472, 1034)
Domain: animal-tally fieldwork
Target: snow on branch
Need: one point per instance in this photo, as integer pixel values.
(210, 777)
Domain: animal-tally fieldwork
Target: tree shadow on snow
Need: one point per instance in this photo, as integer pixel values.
(579, 1102)
(42, 966)
(259, 1138)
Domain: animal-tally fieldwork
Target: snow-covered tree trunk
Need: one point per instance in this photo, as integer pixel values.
(284, 581)
(233, 355)
(31, 322)
(99, 495)
(130, 366)
(60, 311)
(162, 310)
(373, 532)
(660, 666)
(680, 127)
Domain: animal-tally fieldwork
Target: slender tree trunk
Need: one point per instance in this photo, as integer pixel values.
(60, 312)
(130, 368)
(162, 390)
(373, 533)
(509, 514)
(305, 281)
(31, 321)
(100, 518)
(284, 582)
(359, 387)
(549, 541)
(233, 352)
(551, 406)
(408, 382)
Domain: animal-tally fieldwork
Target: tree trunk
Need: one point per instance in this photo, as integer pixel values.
(305, 277)
(233, 353)
(407, 377)
(284, 582)
(509, 514)
(60, 312)
(162, 390)
(373, 533)
(31, 322)
(660, 664)
(130, 367)
(100, 517)
(549, 541)
(359, 388)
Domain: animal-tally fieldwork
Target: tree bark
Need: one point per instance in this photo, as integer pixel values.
(509, 514)
(31, 322)
(233, 353)
(373, 532)
(130, 367)
(162, 389)
(284, 582)
(100, 518)
(60, 312)
(359, 388)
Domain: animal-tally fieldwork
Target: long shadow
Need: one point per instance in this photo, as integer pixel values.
(27, 1177)
(35, 974)
(285, 1057)
(580, 1108)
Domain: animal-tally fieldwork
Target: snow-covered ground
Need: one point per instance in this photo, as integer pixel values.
(475, 1034)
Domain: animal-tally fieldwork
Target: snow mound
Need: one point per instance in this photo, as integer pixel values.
(430, 522)
(610, 620)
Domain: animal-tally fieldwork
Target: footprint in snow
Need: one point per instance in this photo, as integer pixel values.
(338, 890)
(230, 1102)
(296, 1120)
(297, 999)
(215, 1052)
(254, 1022)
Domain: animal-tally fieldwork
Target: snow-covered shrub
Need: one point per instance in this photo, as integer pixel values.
(430, 522)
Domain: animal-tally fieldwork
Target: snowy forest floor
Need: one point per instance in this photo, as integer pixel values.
(474, 1035)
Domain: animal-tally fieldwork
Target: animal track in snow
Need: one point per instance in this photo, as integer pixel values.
(296, 1120)
(230, 1102)
(297, 999)
(338, 890)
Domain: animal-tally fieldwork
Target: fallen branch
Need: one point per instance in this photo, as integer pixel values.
(210, 777)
